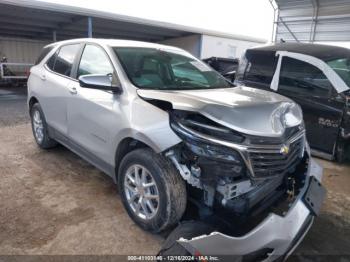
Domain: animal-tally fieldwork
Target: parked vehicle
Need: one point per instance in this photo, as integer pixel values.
(225, 66)
(13, 74)
(181, 143)
(317, 77)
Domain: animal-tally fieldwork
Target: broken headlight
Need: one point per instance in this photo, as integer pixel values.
(213, 159)
(188, 124)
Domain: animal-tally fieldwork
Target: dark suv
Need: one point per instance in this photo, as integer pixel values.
(317, 77)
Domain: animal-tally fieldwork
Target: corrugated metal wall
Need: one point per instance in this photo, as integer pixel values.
(20, 50)
(313, 20)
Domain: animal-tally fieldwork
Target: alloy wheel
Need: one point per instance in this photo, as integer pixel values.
(38, 126)
(141, 192)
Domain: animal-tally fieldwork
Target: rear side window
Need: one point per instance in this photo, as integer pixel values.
(303, 78)
(62, 61)
(260, 68)
(43, 53)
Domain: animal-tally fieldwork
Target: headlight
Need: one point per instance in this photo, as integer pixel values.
(214, 152)
(213, 158)
(188, 124)
(288, 114)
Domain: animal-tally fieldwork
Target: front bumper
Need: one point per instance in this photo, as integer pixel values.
(279, 234)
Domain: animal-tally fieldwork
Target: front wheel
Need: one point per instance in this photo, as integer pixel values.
(152, 191)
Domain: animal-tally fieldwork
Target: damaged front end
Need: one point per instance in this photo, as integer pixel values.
(236, 180)
(235, 171)
(247, 164)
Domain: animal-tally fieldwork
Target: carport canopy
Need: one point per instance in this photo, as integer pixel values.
(48, 21)
(312, 20)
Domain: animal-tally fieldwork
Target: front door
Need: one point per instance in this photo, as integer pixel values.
(92, 113)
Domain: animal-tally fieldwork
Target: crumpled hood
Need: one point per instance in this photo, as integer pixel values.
(244, 109)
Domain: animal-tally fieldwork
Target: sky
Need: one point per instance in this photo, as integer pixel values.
(244, 17)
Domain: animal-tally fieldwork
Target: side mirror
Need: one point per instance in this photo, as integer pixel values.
(101, 82)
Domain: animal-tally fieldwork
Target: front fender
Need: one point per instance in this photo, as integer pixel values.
(150, 125)
(159, 140)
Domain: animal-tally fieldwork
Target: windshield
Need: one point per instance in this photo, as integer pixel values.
(342, 67)
(150, 68)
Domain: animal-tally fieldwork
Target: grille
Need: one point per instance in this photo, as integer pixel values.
(266, 163)
(288, 133)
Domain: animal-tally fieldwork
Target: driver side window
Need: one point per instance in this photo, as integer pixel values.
(94, 61)
(301, 78)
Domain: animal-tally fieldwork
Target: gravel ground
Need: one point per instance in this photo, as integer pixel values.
(13, 106)
(53, 202)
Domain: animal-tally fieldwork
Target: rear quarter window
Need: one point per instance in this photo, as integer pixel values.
(43, 54)
(51, 62)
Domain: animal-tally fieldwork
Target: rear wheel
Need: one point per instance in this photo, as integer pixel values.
(40, 129)
(152, 191)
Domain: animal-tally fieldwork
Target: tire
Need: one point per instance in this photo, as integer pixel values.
(38, 122)
(170, 204)
(340, 155)
(187, 230)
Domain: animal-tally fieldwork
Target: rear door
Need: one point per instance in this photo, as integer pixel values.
(310, 88)
(55, 80)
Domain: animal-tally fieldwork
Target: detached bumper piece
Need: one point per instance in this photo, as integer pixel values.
(275, 237)
(314, 196)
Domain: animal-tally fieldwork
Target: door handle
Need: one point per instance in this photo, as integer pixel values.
(73, 90)
(43, 77)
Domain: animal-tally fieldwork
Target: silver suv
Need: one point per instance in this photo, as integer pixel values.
(181, 142)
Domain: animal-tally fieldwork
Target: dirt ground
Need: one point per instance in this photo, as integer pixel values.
(53, 202)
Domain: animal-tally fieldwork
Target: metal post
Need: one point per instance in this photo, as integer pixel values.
(277, 27)
(275, 23)
(90, 27)
(314, 20)
(1, 71)
(54, 36)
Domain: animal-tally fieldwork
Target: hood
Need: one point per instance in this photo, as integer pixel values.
(244, 109)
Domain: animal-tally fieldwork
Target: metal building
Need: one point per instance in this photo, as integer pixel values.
(311, 20)
(27, 25)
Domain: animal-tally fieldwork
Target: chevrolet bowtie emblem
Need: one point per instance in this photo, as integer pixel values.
(284, 150)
